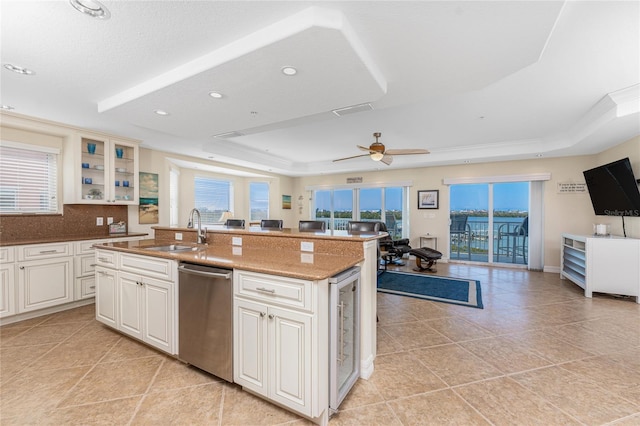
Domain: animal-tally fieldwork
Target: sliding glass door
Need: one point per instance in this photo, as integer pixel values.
(489, 222)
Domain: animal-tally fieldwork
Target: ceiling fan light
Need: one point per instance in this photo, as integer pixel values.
(377, 156)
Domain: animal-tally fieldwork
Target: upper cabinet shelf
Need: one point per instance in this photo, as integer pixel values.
(100, 170)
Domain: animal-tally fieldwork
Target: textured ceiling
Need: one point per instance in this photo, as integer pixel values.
(469, 81)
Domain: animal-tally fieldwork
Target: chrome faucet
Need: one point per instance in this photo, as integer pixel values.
(202, 234)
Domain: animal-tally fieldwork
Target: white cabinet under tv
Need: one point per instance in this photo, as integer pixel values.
(608, 264)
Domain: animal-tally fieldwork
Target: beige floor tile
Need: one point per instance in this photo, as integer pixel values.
(436, 408)
(505, 402)
(591, 341)
(76, 352)
(576, 395)
(385, 343)
(395, 314)
(33, 392)
(114, 380)
(458, 329)
(242, 408)
(424, 310)
(15, 358)
(455, 365)
(371, 415)
(505, 356)
(364, 392)
(128, 348)
(547, 346)
(174, 374)
(196, 405)
(415, 334)
(42, 334)
(82, 314)
(401, 374)
(633, 420)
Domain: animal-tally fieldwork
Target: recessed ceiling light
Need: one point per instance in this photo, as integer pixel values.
(161, 112)
(539, 155)
(215, 95)
(92, 8)
(289, 71)
(19, 70)
(6, 107)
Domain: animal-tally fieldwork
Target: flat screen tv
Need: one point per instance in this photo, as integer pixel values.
(613, 189)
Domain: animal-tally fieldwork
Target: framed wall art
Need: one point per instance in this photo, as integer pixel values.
(428, 199)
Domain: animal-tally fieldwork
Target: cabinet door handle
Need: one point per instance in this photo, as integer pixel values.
(22, 267)
(93, 264)
(104, 260)
(265, 290)
(271, 316)
(48, 251)
(92, 287)
(262, 314)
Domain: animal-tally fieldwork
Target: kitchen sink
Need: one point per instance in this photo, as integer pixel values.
(173, 248)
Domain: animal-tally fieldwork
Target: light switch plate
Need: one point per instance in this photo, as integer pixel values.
(306, 246)
(109, 220)
(236, 241)
(99, 221)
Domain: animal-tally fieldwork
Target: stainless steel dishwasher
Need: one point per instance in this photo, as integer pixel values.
(205, 319)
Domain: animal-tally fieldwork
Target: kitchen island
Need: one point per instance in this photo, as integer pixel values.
(298, 262)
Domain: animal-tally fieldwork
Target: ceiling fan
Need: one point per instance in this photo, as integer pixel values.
(378, 152)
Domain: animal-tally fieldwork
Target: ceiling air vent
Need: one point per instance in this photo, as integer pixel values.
(228, 135)
(352, 109)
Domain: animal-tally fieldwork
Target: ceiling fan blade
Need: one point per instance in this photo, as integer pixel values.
(406, 151)
(349, 158)
(387, 159)
(364, 148)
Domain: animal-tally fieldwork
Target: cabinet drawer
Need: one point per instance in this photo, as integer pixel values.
(44, 251)
(85, 287)
(86, 247)
(106, 258)
(274, 289)
(85, 265)
(149, 266)
(7, 254)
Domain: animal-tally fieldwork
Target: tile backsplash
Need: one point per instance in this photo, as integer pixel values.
(76, 220)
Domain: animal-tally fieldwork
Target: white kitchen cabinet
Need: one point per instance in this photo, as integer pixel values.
(106, 296)
(7, 282)
(45, 275)
(100, 170)
(141, 296)
(278, 331)
(602, 264)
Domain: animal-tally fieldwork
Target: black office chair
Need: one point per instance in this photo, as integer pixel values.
(271, 224)
(511, 237)
(234, 223)
(395, 249)
(461, 231)
(312, 226)
(354, 226)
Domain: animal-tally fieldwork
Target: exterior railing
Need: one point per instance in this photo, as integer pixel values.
(474, 244)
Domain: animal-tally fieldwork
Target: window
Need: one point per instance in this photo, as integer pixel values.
(258, 201)
(388, 204)
(28, 179)
(174, 184)
(213, 197)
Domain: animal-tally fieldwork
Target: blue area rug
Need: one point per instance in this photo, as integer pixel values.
(431, 287)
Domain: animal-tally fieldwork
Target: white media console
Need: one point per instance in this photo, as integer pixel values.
(608, 264)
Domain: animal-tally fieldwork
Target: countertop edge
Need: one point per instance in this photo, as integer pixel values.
(70, 238)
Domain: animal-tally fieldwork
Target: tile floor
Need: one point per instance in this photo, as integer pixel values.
(539, 353)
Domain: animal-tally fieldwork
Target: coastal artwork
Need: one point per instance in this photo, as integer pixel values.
(286, 202)
(148, 209)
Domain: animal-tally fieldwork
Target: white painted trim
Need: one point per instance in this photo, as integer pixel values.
(402, 183)
(498, 179)
(366, 367)
(30, 147)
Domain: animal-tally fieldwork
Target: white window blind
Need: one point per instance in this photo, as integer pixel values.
(259, 200)
(174, 179)
(28, 179)
(213, 197)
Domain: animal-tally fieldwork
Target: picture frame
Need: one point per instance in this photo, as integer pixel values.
(428, 199)
(286, 202)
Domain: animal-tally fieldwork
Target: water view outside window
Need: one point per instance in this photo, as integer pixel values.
(213, 197)
(337, 208)
(485, 227)
(258, 200)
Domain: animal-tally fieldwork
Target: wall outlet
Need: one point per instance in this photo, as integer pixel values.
(109, 220)
(306, 246)
(236, 241)
(236, 251)
(99, 221)
(178, 236)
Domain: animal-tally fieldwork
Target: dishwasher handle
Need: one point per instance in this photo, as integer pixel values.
(225, 275)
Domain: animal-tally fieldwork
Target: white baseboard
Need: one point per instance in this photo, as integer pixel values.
(366, 367)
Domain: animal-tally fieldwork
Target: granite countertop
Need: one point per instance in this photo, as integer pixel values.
(288, 263)
(66, 238)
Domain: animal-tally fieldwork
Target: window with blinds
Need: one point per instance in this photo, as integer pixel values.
(213, 197)
(28, 179)
(258, 200)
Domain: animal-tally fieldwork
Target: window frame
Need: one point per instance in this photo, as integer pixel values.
(230, 199)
